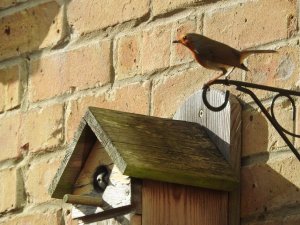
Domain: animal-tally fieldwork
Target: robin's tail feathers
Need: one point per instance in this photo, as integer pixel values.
(246, 53)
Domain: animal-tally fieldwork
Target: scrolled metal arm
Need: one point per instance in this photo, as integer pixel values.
(243, 87)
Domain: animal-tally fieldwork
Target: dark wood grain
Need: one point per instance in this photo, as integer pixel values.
(165, 203)
(73, 162)
(82, 200)
(161, 149)
(146, 148)
(107, 214)
(224, 129)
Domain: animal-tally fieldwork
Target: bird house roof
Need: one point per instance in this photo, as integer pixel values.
(146, 147)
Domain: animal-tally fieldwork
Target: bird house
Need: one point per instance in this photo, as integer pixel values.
(137, 169)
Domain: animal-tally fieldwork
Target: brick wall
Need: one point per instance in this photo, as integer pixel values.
(58, 57)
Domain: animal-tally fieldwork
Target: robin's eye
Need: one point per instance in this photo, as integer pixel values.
(184, 37)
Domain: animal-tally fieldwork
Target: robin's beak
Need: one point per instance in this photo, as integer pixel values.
(176, 41)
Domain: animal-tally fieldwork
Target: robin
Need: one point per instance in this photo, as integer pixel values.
(215, 55)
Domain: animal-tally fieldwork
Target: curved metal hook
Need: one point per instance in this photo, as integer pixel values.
(294, 113)
(208, 105)
(244, 87)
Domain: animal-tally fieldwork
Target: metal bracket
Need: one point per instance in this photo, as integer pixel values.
(243, 87)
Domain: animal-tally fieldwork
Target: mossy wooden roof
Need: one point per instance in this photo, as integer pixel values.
(148, 148)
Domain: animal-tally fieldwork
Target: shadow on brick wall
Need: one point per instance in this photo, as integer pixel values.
(269, 183)
(24, 34)
(32, 29)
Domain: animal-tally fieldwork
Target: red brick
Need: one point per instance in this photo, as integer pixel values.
(87, 15)
(78, 69)
(18, 132)
(265, 222)
(179, 53)
(69, 221)
(132, 98)
(38, 218)
(129, 54)
(292, 220)
(254, 132)
(38, 179)
(156, 48)
(9, 136)
(11, 190)
(284, 116)
(278, 70)
(161, 7)
(270, 185)
(250, 24)
(42, 128)
(170, 92)
(31, 29)
(297, 140)
(10, 88)
(9, 3)
(259, 135)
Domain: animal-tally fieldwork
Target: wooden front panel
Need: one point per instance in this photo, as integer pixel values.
(224, 129)
(116, 194)
(172, 204)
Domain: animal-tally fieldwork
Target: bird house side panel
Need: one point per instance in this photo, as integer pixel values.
(117, 192)
(165, 203)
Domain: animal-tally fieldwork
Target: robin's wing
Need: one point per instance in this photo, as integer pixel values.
(219, 53)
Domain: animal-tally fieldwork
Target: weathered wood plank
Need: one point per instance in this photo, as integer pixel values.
(107, 214)
(224, 128)
(136, 220)
(165, 203)
(105, 140)
(116, 194)
(96, 157)
(147, 148)
(73, 161)
(136, 194)
(182, 168)
(235, 159)
(82, 200)
(160, 144)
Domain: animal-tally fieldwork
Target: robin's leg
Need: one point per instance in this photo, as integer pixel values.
(224, 71)
(227, 76)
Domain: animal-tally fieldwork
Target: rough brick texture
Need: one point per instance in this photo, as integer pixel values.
(31, 29)
(290, 220)
(10, 88)
(129, 56)
(42, 128)
(11, 192)
(297, 142)
(181, 54)
(78, 69)
(257, 127)
(10, 3)
(50, 218)
(38, 179)
(241, 27)
(58, 57)
(161, 7)
(270, 185)
(36, 130)
(156, 48)
(277, 70)
(170, 92)
(9, 133)
(112, 13)
(132, 98)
